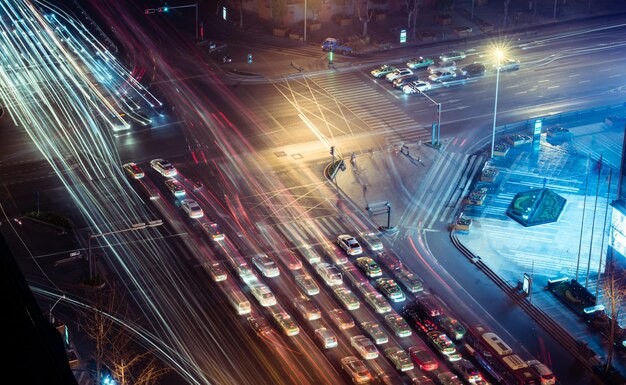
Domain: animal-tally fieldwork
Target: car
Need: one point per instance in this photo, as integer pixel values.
(449, 378)
(390, 77)
(307, 308)
(542, 370)
(217, 272)
(421, 380)
(364, 346)
(310, 254)
(347, 298)
(331, 275)
(419, 62)
(442, 66)
(341, 318)
(290, 259)
(163, 167)
(377, 302)
(192, 208)
(371, 240)
(133, 170)
(390, 261)
(244, 271)
(375, 331)
(175, 187)
(416, 87)
(508, 64)
(442, 343)
(398, 325)
(356, 369)
(287, 324)
(466, 370)
(349, 244)
(442, 76)
(369, 267)
(410, 281)
(390, 289)
(263, 294)
(399, 358)
(260, 325)
(452, 327)
(474, 69)
(383, 70)
(326, 337)
(422, 324)
(424, 358)
(213, 230)
(429, 305)
(307, 284)
(402, 81)
(266, 265)
(452, 55)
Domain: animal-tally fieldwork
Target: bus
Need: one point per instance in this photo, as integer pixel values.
(493, 354)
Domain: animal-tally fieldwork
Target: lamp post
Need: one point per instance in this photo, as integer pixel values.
(436, 130)
(134, 227)
(149, 11)
(52, 307)
(499, 56)
(304, 38)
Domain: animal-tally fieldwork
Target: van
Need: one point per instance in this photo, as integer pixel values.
(329, 273)
(239, 301)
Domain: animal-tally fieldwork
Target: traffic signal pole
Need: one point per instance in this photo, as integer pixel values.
(149, 11)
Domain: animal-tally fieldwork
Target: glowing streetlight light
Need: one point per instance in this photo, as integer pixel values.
(499, 54)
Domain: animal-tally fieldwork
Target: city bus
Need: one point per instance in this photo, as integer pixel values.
(504, 365)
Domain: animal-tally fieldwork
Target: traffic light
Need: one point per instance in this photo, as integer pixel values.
(163, 9)
(332, 150)
(330, 57)
(249, 58)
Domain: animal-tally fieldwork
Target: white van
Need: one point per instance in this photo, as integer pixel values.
(239, 302)
(329, 273)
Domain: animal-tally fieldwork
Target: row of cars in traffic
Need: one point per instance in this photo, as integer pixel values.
(446, 69)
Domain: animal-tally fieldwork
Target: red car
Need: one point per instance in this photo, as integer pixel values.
(424, 358)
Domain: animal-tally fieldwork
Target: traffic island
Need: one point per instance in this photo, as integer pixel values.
(489, 174)
(463, 224)
(536, 207)
(476, 197)
(501, 149)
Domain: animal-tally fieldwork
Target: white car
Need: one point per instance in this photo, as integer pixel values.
(508, 64)
(400, 358)
(329, 273)
(371, 240)
(398, 325)
(442, 66)
(376, 332)
(263, 294)
(357, 370)
(176, 188)
(349, 244)
(163, 167)
(192, 208)
(266, 265)
(307, 284)
(307, 308)
(378, 302)
(390, 77)
(347, 298)
(453, 55)
(416, 87)
(326, 337)
(364, 346)
(217, 272)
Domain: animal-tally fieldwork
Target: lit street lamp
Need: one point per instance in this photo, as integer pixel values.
(499, 55)
(134, 227)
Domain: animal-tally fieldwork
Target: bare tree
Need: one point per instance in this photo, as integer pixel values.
(412, 9)
(614, 293)
(115, 348)
(368, 14)
(506, 13)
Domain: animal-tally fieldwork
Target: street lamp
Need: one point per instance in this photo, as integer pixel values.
(134, 227)
(436, 130)
(52, 308)
(499, 55)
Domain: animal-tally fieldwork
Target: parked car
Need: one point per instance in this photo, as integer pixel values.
(390, 77)
(452, 55)
(383, 70)
(419, 62)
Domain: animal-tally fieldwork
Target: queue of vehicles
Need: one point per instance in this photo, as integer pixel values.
(426, 314)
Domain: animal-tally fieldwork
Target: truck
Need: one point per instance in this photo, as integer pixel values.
(332, 44)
